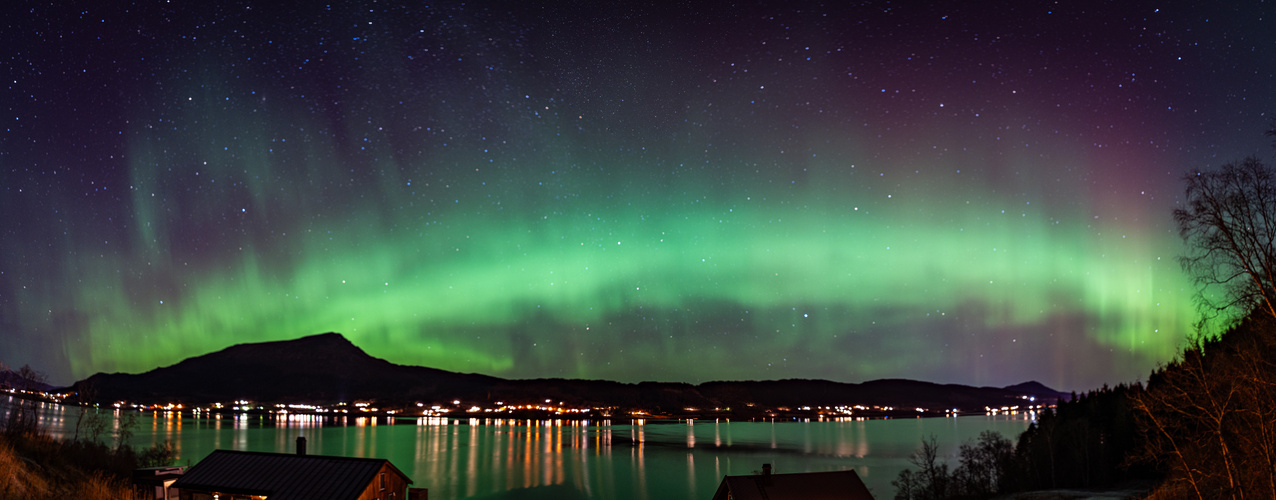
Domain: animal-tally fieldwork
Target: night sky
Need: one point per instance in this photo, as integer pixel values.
(671, 192)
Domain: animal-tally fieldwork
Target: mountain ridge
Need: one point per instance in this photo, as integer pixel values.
(328, 367)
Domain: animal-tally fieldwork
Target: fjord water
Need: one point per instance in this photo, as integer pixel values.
(503, 459)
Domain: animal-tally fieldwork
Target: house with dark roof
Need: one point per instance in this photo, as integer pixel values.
(835, 485)
(248, 475)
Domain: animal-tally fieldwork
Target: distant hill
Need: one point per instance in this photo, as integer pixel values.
(1038, 389)
(323, 367)
(15, 380)
(329, 368)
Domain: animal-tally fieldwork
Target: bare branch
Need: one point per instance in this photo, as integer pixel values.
(1229, 225)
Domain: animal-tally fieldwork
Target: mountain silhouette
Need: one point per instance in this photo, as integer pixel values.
(329, 368)
(324, 367)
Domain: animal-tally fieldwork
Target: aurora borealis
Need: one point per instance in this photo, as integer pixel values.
(975, 195)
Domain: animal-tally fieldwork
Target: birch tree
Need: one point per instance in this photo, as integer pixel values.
(1229, 224)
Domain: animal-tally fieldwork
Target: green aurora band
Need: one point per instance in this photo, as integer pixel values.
(699, 283)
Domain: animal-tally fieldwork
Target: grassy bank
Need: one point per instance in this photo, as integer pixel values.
(40, 467)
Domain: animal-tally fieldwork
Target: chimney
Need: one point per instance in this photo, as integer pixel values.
(301, 448)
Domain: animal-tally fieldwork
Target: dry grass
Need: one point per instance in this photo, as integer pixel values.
(40, 468)
(17, 480)
(101, 487)
(1169, 491)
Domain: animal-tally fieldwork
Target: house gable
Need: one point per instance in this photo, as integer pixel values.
(835, 485)
(280, 476)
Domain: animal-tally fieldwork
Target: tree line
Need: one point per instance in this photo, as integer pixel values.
(1084, 442)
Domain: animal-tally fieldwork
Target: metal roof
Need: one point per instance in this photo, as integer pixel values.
(284, 476)
(836, 485)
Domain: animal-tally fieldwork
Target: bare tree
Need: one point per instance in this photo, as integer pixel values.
(1207, 418)
(906, 487)
(24, 413)
(126, 425)
(1181, 415)
(931, 481)
(1229, 225)
(95, 424)
(984, 465)
(1256, 373)
(84, 399)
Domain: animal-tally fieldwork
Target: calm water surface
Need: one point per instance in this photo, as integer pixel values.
(504, 459)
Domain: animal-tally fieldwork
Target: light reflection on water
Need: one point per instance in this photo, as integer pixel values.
(505, 459)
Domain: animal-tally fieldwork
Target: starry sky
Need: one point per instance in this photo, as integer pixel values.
(667, 191)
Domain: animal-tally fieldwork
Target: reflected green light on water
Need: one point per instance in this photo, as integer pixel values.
(507, 459)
